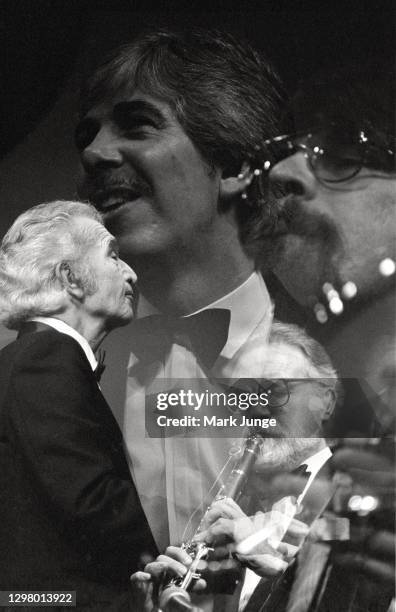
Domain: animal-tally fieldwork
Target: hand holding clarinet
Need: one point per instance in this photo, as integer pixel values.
(165, 583)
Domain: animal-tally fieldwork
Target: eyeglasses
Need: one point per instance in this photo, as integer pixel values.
(276, 390)
(335, 153)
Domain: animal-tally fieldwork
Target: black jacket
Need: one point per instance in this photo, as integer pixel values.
(70, 517)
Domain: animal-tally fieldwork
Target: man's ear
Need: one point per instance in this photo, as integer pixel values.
(329, 403)
(69, 280)
(232, 186)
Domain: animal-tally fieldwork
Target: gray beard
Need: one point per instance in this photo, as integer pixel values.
(285, 454)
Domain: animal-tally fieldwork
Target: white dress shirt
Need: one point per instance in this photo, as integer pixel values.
(314, 465)
(174, 475)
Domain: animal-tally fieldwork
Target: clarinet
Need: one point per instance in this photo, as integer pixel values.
(198, 551)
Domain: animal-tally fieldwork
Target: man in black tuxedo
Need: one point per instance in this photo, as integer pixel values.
(70, 519)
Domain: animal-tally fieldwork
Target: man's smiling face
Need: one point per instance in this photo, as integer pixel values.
(145, 174)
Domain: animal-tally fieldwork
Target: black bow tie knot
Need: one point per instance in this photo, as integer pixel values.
(302, 471)
(205, 333)
(100, 368)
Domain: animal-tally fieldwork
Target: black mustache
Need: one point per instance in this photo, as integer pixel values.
(98, 187)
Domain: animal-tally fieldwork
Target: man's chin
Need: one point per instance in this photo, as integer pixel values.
(283, 454)
(276, 454)
(120, 321)
(127, 318)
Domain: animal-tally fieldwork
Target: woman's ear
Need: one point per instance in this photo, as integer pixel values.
(232, 186)
(69, 281)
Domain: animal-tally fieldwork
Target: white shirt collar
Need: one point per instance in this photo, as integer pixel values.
(317, 460)
(248, 303)
(314, 465)
(64, 328)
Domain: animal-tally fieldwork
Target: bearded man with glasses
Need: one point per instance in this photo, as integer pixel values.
(337, 171)
(338, 174)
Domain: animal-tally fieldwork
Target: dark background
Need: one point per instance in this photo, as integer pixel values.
(44, 41)
(47, 45)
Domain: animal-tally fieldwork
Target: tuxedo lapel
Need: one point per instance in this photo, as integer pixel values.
(301, 577)
(311, 562)
(271, 594)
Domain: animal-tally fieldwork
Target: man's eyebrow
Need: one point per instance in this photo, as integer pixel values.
(136, 107)
(112, 245)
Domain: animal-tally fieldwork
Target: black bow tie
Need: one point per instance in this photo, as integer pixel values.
(205, 333)
(100, 368)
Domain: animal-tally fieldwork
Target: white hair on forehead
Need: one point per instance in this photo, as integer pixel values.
(319, 364)
(312, 350)
(40, 239)
(51, 213)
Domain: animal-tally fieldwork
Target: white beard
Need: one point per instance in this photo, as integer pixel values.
(286, 453)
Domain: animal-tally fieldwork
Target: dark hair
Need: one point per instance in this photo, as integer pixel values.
(225, 95)
(361, 95)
